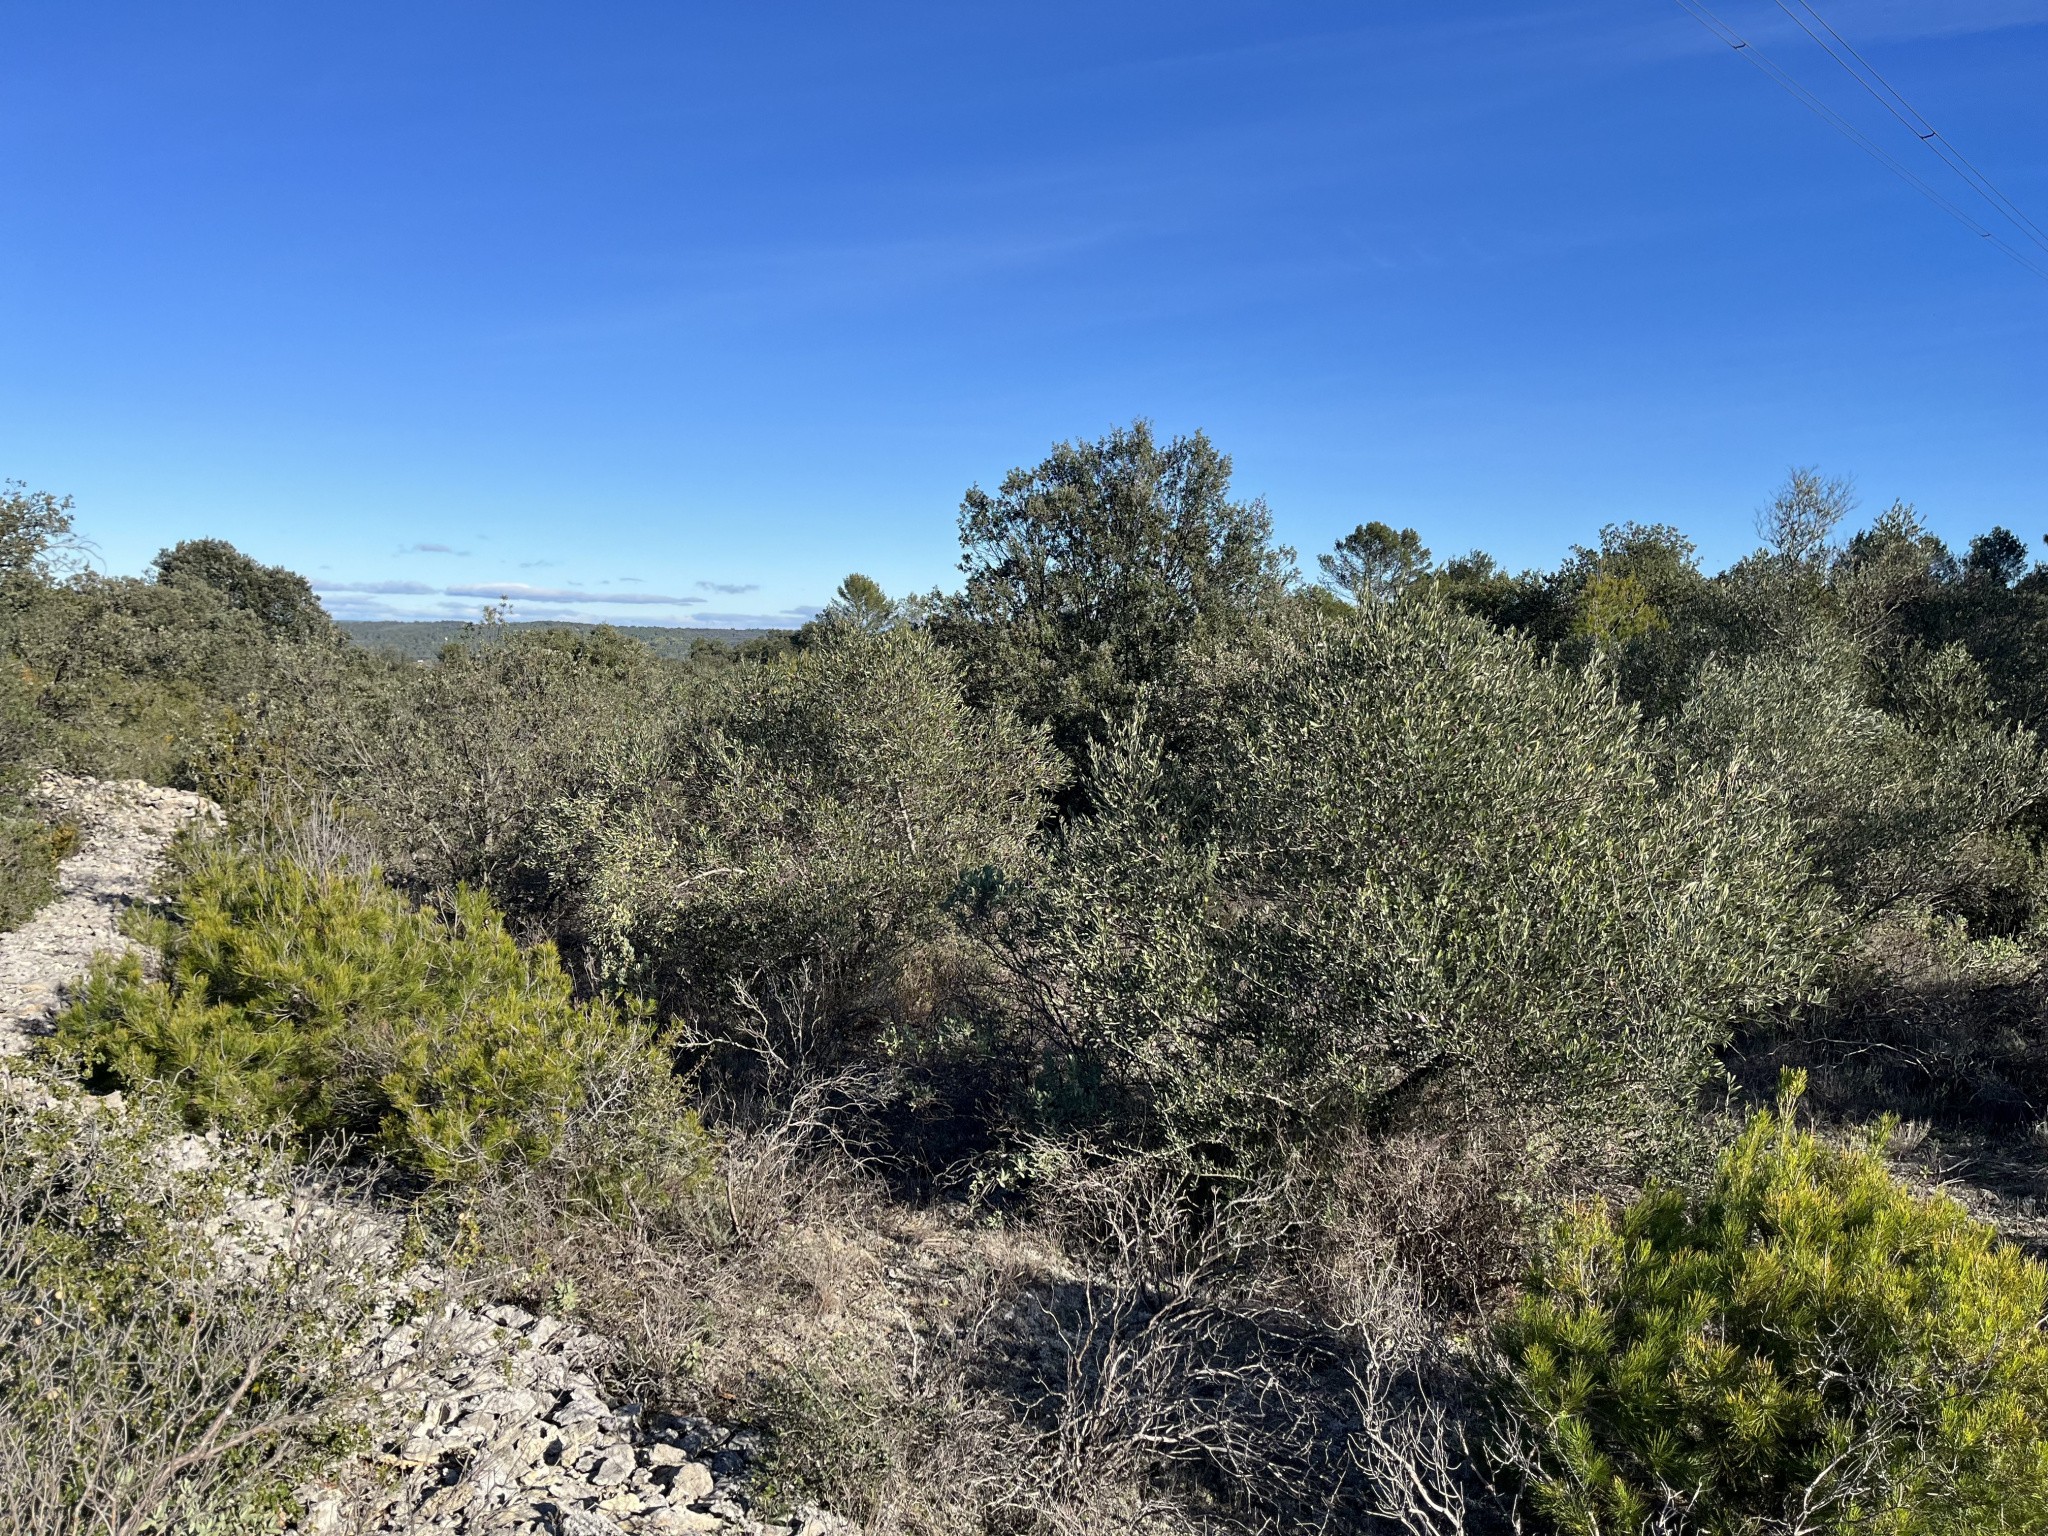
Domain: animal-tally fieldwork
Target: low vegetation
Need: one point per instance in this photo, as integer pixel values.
(326, 1004)
(1138, 1043)
(1803, 1345)
(179, 1322)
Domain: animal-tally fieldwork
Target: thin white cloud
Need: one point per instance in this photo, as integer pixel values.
(517, 591)
(1906, 19)
(432, 549)
(729, 588)
(789, 618)
(348, 606)
(385, 588)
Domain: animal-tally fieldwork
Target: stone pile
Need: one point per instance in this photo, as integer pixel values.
(510, 1434)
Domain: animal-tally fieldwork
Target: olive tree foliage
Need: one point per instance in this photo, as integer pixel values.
(1086, 572)
(1359, 864)
(1900, 585)
(1887, 739)
(1918, 804)
(795, 837)
(446, 771)
(793, 827)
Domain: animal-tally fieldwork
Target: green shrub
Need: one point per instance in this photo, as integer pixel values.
(1921, 802)
(448, 768)
(30, 849)
(28, 855)
(1087, 572)
(1809, 1346)
(799, 830)
(1388, 858)
(838, 1424)
(329, 1002)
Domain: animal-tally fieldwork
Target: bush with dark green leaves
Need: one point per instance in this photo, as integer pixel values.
(1807, 1345)
(1088, 571)
(330, 1004)
(281, 601)
(1378, 860)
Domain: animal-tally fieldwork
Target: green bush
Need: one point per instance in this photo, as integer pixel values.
(798, 830)
(1922, 802)
(125, 677)
(838, 1423)
(330, 1003)
(1387, 858)
(1808, 1346)
(447, 769)
(30, 849)
(28, 854)
(1087, 572)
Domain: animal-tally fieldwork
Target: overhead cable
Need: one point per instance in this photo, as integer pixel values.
(1860, 69)
(1748, 50)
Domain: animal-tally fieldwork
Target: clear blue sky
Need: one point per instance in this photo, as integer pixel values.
(718, 302)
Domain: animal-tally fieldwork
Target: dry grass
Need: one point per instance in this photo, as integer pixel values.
(180, 1323)
(1132, 1354)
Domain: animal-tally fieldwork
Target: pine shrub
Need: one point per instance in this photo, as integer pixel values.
(329, 1003)
(1810, 1346)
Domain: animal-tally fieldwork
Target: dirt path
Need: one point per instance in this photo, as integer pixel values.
(124, 829)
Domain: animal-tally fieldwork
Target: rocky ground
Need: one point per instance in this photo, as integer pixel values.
(506, 1431)
(123, 830)
(494, 1421)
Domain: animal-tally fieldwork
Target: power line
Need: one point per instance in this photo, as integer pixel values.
(1865, 74)
(1740, 44)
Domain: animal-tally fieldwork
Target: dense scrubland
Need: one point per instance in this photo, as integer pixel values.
(424, 639)
(1143, 1041)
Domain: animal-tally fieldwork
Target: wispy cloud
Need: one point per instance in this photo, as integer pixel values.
(432, 549)
(729, 588)
(1906, 19)
(384, 588)
(501, 591)
(518, 591)
(351, 606)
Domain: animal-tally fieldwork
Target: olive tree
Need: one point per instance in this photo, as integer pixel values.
(796, 833)
(1363, 861)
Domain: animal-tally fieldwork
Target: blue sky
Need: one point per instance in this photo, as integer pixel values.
(679, 312)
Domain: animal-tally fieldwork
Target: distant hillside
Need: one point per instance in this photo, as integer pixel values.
(422, 639)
